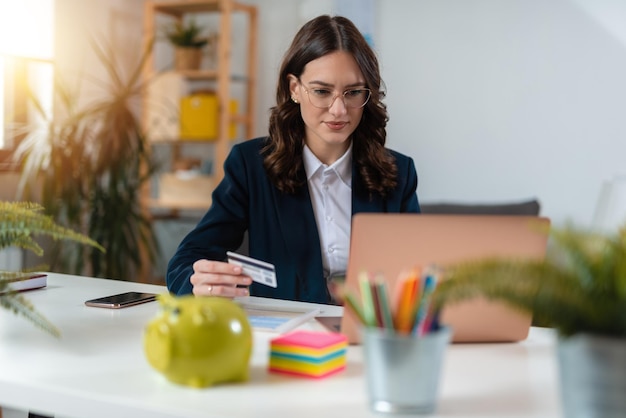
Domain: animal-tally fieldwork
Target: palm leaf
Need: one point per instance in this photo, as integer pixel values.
(94, 165)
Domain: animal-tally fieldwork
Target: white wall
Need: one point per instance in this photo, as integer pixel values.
(494, 99)
(501, 100)
(507, 99)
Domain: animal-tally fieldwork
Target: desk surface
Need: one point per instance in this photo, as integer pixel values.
(98, 369)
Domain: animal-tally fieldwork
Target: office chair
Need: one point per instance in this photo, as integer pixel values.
(527, 207)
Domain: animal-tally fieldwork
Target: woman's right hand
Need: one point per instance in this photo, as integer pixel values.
(217, 278)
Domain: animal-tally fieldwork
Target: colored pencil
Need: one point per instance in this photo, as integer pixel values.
(369, 314)
(353, 306)
(376, 302)
(405, 312)
(430, 282)
(383, 301)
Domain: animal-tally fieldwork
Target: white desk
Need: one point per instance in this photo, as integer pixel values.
(98, 369)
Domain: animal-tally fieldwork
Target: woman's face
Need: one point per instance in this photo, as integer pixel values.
(328, 127)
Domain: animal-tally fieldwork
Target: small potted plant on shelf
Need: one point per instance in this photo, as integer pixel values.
(188, 42)
(579, 289)
(19, 223)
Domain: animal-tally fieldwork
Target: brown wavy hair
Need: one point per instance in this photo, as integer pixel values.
(283, 150)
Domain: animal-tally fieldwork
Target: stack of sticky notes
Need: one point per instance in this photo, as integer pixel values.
(308, 353)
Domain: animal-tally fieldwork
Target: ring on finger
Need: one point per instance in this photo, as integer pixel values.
(210, 289)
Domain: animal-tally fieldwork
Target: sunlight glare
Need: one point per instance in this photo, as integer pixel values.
(26, 27)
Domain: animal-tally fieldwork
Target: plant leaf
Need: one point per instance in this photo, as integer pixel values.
(579, 286)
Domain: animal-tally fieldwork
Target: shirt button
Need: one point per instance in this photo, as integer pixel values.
(329, 218)
(331, 250)
(325, 187)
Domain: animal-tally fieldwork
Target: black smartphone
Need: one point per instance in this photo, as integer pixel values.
(121, 300)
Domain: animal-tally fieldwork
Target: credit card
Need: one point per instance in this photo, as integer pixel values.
(259, 271)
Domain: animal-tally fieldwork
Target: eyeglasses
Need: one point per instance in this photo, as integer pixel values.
(324, 98)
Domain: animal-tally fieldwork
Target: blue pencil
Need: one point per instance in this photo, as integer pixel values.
(430, 283)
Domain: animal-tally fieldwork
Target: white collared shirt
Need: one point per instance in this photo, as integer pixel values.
(330, 188)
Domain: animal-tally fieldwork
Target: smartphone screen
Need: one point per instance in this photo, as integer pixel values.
(121, 300)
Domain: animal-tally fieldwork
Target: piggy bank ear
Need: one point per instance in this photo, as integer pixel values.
(202, 314)
(158, 345)
(166, 299)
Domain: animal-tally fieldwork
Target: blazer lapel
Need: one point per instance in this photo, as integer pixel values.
(299, 230)
(361, 200)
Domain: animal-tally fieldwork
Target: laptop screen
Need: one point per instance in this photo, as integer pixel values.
(387, 244)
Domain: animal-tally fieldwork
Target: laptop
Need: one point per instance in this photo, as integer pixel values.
(387, 244)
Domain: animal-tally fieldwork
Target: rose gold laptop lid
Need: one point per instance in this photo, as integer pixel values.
(390, 243)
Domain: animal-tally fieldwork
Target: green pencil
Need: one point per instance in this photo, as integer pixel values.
(369, 314)
(353, 305)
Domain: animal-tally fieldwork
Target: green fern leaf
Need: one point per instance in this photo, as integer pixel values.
(579, 287)
(19, 222)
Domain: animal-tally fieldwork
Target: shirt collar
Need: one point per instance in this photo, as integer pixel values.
(343, 166)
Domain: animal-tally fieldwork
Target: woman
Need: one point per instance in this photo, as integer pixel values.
(294, 191)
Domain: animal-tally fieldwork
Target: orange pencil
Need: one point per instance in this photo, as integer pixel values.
(407, 302)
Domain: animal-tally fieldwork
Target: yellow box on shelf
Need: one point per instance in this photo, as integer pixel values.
(199, 117)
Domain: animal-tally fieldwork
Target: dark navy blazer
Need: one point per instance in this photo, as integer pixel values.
(281, 227)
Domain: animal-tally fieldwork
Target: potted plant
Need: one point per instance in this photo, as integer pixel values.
(19, 222)
(188, 42)
(579, 289)
(92, 164)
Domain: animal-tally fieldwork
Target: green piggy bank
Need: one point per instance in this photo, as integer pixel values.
(199, 341)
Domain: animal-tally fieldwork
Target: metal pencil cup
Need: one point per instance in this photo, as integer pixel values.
(403, 370)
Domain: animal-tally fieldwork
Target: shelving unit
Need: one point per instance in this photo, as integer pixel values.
(222, 78)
